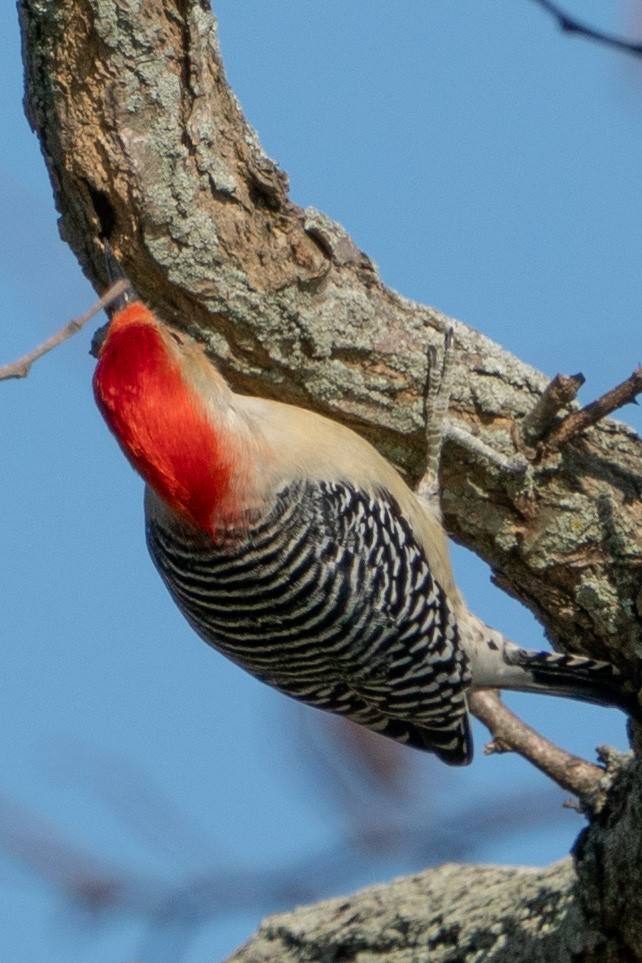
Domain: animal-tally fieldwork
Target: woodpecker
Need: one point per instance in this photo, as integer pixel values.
(294, 548)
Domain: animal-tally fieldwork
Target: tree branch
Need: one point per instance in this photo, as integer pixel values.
(578, 421)
(289, 307)
(436, 916)
(146, 145)
(22, 366)
(510, 733)
(560, 392)
(571, 25)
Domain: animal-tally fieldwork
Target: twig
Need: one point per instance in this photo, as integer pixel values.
(571, 25)
(509, 733)
(558, 393)
(577, 422)
(21, 367)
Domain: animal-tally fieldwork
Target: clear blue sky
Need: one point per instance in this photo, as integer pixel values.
(491, 166)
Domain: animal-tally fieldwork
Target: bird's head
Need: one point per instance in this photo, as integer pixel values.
(165, 403)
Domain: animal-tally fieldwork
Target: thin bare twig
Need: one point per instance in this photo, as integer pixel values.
(577, 422)
(559, 392)
(509, 733)
(21, 367)
(571, 25)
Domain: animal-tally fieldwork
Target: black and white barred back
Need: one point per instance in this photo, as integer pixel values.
(329, 598)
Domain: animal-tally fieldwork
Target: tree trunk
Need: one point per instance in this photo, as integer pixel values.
(146, 145)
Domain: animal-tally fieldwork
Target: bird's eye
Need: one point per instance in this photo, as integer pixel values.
(176, 337)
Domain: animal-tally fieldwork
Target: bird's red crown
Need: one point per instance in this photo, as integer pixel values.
(158, 419)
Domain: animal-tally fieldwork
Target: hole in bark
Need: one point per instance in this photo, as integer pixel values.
(104, 210)
(264, 190)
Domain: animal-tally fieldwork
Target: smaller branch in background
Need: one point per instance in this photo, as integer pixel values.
(21, 367)
(511, 734)
(578, 421)
(571, 25)
(558, 393)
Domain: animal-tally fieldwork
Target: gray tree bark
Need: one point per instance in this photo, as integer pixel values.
(146, 145)
(451, 913)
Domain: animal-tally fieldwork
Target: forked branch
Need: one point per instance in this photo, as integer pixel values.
(578, 421)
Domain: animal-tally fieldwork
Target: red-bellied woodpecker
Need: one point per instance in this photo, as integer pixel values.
(295, 549)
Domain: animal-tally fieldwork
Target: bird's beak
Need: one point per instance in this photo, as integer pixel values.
(114, 273)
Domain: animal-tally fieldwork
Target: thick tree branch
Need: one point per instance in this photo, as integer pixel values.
(584, 910)
(146, 145)
(435, 917)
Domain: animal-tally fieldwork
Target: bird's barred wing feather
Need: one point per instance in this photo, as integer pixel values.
(330, 599)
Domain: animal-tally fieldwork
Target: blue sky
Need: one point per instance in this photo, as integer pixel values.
(491, 166)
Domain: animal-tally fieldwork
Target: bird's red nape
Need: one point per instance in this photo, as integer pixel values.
(158, 420)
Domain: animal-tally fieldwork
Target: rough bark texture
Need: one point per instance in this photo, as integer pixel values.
(146, 144)
(582, 910)
(441, 916)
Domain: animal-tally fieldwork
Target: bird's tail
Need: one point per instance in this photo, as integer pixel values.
(573, 676)
(499, 663)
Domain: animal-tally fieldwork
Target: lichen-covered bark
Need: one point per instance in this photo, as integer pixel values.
(453, 913)
(582, 910)
(146, 144)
